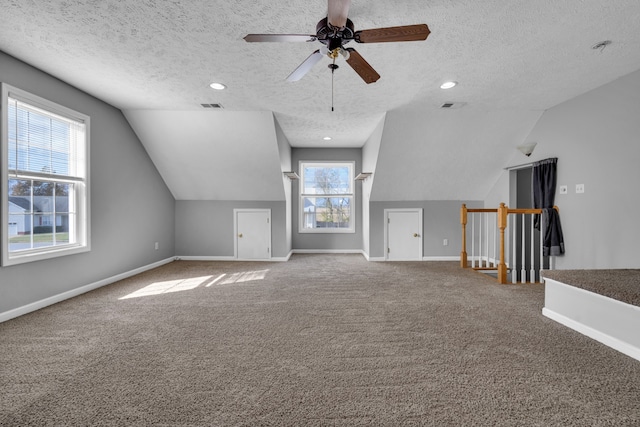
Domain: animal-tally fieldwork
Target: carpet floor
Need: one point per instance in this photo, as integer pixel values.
(321, 340)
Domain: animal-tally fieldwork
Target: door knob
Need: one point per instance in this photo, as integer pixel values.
(240, 235)
(415, 234)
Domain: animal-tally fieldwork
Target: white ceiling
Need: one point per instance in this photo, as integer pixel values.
(508, 55)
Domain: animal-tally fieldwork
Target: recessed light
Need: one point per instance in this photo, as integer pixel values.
(448, 85)
(327, 138)
(217, 86)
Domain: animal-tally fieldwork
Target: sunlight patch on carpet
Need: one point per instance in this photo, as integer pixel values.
(178, 285)
(168, 286)
(247, 276)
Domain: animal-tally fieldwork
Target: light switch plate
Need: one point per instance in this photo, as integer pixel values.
(564, 189)
(579, 188)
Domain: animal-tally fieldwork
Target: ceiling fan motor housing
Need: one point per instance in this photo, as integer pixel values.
(334, 37)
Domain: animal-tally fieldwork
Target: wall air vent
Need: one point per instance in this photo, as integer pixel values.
(218, 106)
(453, 105)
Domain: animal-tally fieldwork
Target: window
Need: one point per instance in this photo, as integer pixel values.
(327, 197)
(45, 188)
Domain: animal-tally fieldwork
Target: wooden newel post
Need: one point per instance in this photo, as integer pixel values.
(503, 211)
(463, 222)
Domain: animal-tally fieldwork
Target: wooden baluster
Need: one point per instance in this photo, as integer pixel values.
(502, 224)
(463, 222)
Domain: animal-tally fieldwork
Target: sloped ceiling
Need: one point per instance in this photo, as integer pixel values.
(479, 144)
(205, 155)
(512, 58)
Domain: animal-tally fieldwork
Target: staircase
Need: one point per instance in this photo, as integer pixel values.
(503, 242)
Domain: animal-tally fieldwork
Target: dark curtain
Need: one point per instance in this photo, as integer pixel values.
(544, 192)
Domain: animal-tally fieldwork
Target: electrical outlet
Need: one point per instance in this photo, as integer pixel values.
(579, 188)
(564, 189)
(445, 242)
(157, 246)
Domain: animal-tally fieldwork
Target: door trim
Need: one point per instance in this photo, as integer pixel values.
(235, 231)
(386, 229)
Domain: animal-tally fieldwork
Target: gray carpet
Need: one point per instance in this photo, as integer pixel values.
(326, 340)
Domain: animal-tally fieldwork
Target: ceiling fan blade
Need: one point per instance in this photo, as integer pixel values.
(253, 38)
(405, 33)
(304, 68)
(362, 67)
(337, 12)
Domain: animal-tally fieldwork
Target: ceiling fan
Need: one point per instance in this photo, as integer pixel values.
(334, 32)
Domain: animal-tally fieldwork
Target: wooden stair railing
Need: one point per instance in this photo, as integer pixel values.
(502, 222)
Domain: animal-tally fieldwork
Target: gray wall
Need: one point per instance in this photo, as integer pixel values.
(595, 138)
(284, 150)
(441, 220)
(369, 161)
(131, 207)
(205, 227)
(321, 241)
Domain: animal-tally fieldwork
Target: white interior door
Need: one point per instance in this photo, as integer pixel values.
(253, 233)
(403, 234)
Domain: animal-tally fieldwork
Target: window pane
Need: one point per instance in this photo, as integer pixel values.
(62, 193)
(326, 212)
(43, 197)
(19, 232)
(62, 229)
(327, 179)
(42, 230)
(21, 189)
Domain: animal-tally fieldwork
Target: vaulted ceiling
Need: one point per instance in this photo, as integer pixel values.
(154, 59)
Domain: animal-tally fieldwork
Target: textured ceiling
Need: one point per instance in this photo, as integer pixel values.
(153, 54)
(513, 59)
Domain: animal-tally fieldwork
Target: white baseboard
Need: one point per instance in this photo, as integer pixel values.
(426, 258)
(311, 251)
(328, 251)
(37, 305)
(230, 258)
(205, 258)
(599, 336)
(442, 258)
(282, 259)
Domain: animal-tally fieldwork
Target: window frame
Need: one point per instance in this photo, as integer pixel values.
(80, 181)
(302, 196)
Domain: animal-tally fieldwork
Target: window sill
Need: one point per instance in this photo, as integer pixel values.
(328, 231)
(32, 256)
